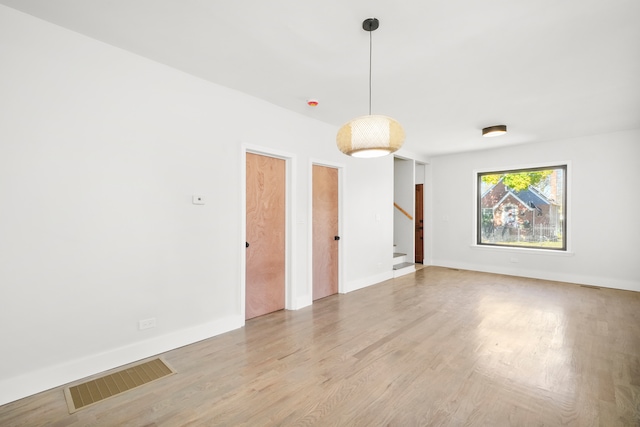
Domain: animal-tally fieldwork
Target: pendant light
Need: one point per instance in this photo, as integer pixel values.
(372, 135)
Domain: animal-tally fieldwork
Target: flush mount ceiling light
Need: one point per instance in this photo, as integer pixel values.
(372, 135)
(494, 130)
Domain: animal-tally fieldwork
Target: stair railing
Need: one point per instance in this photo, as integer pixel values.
(403, 211)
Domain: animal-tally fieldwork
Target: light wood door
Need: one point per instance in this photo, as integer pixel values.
(325, 231)
(265, 253)
(419, 224)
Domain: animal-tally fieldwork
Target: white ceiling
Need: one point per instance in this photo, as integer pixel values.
(548, 69)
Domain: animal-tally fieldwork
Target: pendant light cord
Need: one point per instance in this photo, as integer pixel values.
(370, 56)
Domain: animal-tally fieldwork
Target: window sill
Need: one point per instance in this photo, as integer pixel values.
(515, 250)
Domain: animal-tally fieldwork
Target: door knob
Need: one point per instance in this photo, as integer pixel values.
(246, 244)
(336, 237)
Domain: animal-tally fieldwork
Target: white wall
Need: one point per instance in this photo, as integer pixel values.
(100, 153)
(603, 226)
(368, 230)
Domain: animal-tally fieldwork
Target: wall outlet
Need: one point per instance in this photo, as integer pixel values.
(147, 323)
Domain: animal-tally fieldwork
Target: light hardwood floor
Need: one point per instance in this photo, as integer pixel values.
(439, 347)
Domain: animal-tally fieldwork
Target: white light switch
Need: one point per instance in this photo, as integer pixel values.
(198, 200)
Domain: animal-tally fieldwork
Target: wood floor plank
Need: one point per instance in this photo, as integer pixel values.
(437, 347)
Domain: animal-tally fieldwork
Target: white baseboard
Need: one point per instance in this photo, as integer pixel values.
(24, 385)
(354, 285)
(303, 302)
(404, 271)
(603, 282)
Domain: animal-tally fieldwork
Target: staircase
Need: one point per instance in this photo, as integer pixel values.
(401, 266)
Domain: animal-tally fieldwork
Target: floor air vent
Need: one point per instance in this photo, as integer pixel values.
(91, 392)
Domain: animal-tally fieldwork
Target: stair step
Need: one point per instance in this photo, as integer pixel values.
(403, 265)
(399, 258)
(404, 268)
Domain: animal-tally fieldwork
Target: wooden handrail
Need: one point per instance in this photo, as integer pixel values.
(403, 211)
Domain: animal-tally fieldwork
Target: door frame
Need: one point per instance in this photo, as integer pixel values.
(290, 237)
(341, 230)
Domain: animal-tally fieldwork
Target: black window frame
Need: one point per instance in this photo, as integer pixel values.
(564, 208)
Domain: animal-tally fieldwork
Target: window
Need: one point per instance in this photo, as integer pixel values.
(523, 208)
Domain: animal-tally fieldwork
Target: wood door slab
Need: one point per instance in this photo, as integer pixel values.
(325, 229)
(265, 256)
